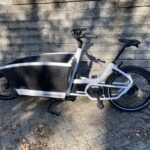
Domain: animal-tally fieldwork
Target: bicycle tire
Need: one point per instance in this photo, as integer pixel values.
(13, 94)
(129, 69)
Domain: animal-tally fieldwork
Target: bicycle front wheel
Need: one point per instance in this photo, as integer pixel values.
(7, 91)
(138, 96)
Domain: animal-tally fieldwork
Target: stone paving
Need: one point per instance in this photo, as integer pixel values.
(25, 124)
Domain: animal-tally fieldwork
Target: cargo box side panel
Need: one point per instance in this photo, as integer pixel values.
(49, 57)
(42, 78)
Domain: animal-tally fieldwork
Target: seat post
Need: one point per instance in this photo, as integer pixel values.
(119, 53)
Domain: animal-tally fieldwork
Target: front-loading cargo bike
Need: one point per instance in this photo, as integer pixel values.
(56, 76)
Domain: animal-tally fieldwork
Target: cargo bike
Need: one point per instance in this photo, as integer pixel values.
(56, 76)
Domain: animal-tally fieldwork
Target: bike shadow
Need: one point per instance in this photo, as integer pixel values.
(25, 122)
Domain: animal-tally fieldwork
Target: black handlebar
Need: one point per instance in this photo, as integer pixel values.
(79, 33)
(79, 29)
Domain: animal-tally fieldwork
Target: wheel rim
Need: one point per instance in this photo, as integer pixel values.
(132, 99)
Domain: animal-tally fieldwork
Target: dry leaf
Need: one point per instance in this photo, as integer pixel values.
(4, 148)
(25, 146)
(38, 143)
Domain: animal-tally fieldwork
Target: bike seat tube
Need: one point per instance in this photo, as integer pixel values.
(120, 52)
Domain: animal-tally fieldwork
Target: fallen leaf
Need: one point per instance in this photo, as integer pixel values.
(137, 134)
(25, 146)
(4, 148)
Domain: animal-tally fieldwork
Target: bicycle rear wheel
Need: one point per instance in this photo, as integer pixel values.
(138, 96)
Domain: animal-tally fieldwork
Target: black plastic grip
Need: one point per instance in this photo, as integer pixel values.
(90, 36)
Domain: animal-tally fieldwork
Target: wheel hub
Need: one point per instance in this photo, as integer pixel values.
(132, 90)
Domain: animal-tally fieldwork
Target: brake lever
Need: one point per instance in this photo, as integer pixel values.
(100, 61)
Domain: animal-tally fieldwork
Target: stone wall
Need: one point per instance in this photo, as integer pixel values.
(29, 27)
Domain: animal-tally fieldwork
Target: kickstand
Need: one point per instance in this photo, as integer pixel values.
(54, 103)
(100, 103)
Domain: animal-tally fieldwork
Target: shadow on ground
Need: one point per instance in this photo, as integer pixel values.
(25, 123)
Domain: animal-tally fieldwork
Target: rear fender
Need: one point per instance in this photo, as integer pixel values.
(146, 72)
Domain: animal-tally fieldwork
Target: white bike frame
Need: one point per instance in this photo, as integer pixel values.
(99, 81)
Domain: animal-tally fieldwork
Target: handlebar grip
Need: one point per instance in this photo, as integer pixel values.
(90, 36)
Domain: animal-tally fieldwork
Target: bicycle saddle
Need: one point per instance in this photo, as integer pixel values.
(130, 42)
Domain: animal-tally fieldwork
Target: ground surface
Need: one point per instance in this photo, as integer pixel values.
(25, 124)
